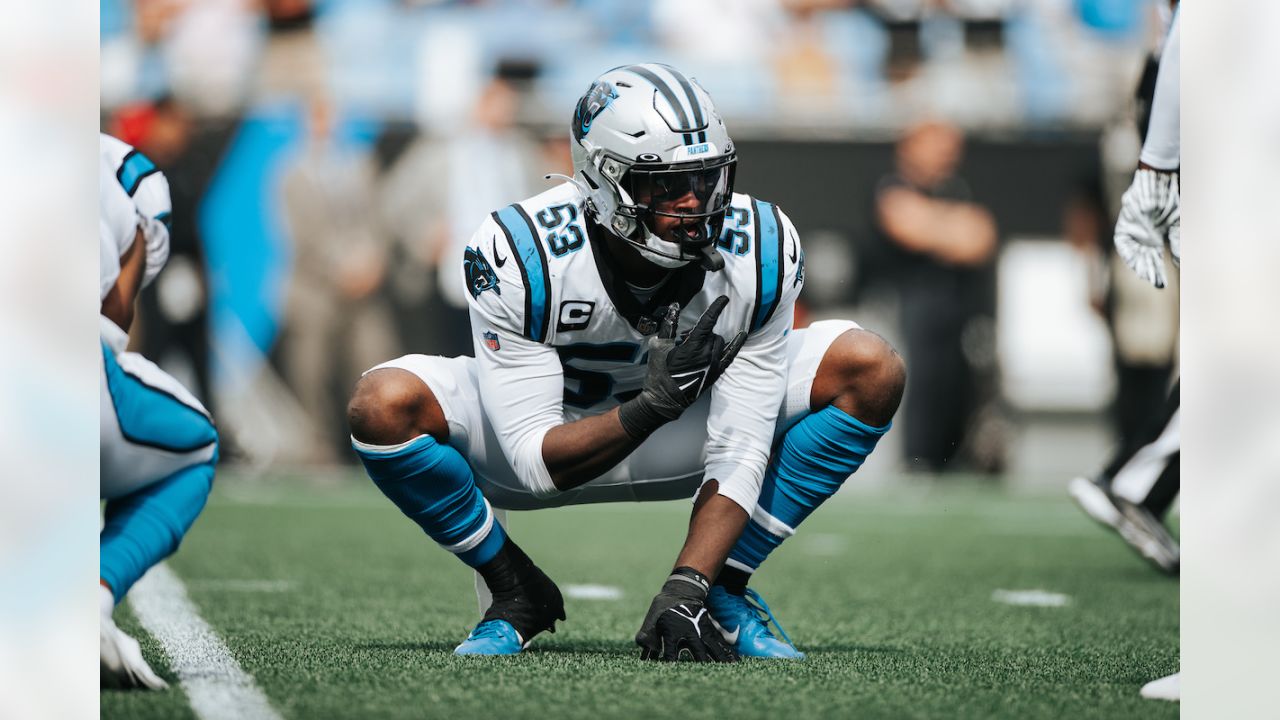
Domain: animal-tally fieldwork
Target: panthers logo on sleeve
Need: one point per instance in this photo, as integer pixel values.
(480, 274)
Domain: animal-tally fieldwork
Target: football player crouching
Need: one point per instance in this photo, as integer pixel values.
(634, 342)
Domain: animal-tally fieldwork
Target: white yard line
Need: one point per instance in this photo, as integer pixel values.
(1033, 598)
(214, 682)
(242, 585)
(593, 592)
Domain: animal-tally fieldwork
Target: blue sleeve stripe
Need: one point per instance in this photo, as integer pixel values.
(768, 262)
(524, 275)
(520, 231)
(133, 169)
(542, 316)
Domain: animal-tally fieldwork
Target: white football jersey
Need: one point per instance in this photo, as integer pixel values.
(560, 336)
(129, 183)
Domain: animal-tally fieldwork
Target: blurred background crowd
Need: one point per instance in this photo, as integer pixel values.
(953, 167)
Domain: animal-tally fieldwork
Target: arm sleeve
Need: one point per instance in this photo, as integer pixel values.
(745, 401)
(521, 380)
(1162, 148)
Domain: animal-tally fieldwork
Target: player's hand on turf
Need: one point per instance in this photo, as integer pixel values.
(679, 371)
(678, 625)
(1150, 214)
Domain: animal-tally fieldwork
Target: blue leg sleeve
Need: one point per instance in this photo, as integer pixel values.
(810, 464)
(432, 484)
(146, 526)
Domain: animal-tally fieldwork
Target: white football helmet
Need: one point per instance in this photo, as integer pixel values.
(647, 135)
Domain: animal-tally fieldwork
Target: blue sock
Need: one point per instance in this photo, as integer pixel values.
(812, 461)
(432, 484)
(146, 526)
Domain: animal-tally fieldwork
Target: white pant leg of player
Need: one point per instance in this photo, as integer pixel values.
(415, 435)
(158, 448)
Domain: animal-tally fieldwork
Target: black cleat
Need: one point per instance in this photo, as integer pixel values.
(515, 616)
(523, 595)
(534, 606)
(1139, 528)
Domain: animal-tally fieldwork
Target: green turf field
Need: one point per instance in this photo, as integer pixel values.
(341, 608)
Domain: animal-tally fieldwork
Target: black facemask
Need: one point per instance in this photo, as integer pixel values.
(697, 194)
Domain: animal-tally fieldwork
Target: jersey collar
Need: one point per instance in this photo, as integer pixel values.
(681, 287)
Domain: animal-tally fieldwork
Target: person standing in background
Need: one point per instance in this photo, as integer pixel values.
(336, 320)
(438, 190)
(941, 244)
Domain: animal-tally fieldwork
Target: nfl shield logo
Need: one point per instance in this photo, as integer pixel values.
(491, 340)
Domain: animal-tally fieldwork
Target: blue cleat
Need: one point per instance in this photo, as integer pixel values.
(744, 622)
(491, 637)
(528, 604)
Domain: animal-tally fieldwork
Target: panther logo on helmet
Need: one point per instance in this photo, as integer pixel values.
(592, 104)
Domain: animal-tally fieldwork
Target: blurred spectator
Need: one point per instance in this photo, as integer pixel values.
(944, 243)
(619, 23)
(737, 61)
(745, 30)
(337, 324)
(437, 194)
(808, 74)
(293, 62)
(133, 63)
(213, 50)
(816, 62)
(202, 52)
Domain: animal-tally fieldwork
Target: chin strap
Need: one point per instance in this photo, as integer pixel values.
(711, 260)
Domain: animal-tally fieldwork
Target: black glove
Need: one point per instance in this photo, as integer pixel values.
(678, 621)
(679, 371)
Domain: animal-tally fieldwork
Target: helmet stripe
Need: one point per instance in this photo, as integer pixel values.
(669, 96)
(698, 121)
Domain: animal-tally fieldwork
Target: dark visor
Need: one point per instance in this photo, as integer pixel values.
(712, 187)
(665, 190)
